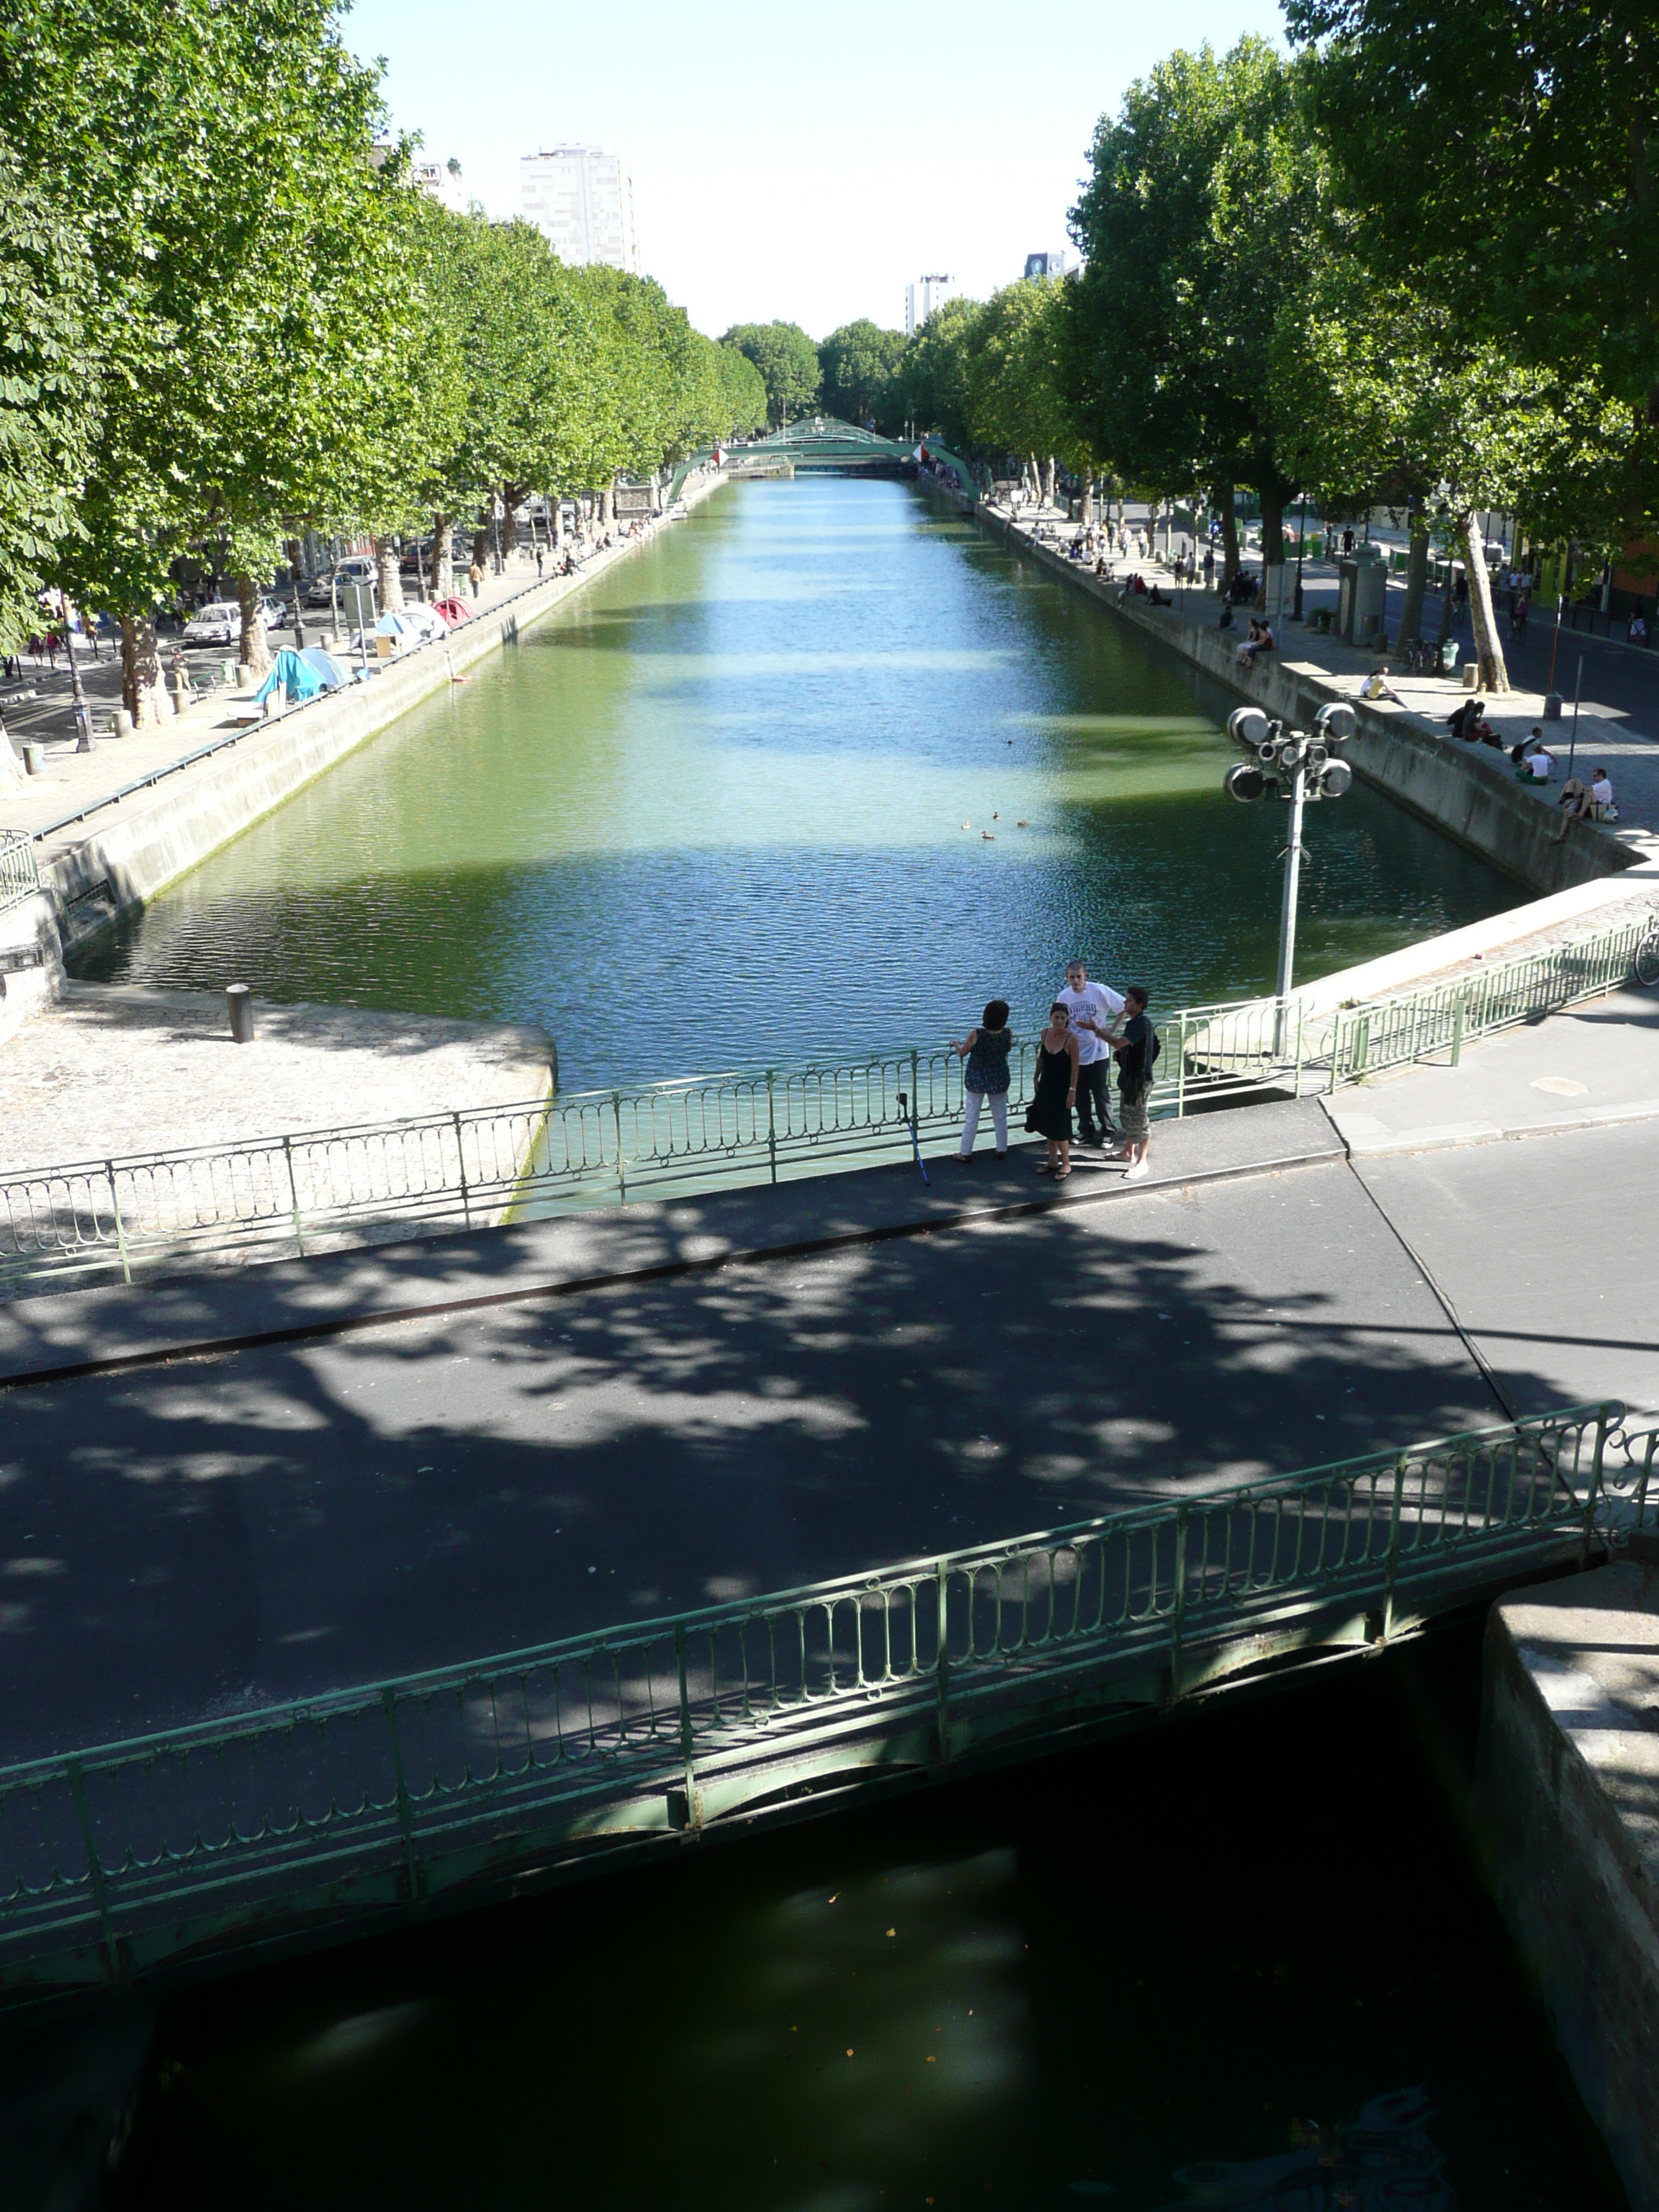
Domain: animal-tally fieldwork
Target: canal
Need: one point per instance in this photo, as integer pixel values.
(1240, 1960)
(824, 768)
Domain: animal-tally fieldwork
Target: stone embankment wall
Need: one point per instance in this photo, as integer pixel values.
(1470, 795)
(1568, 1796)
(131, 852)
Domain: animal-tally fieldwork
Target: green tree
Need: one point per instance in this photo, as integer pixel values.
(1505, 155)
(788, 363)
(49, 391)
(857, 366)
(216, 162)
(742, 406)
(1389, 397)
(934, 372)
(1016, 404)
(1203, 217)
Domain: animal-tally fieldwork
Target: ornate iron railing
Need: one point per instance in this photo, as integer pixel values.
(313, 1188)
(116, 1858)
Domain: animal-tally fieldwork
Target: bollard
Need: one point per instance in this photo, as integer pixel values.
(124, 724)
(1552, 705)
(244, 675)
(240, 1004)
(33, 763)
(1471, 675)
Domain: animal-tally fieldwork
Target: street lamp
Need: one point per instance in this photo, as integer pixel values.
(1301, 548)
(1281, 764)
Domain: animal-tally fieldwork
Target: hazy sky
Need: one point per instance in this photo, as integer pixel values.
(787, 165)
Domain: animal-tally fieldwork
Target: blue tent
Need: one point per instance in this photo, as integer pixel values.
(334, 677)
(293, 674)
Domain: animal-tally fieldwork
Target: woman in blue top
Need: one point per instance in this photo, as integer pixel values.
(986, 1077)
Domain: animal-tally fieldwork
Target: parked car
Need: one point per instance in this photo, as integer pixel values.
(219, 622)
(356, 568)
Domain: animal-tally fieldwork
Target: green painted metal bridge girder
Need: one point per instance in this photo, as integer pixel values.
(823, 442)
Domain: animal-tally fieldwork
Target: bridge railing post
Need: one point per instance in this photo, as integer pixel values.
(1178, 1607)
(1393, 1568)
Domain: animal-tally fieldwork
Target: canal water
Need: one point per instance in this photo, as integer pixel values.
(1242, 1961)
(824, 767)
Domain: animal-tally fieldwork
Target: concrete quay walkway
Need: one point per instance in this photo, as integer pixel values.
(222, 1492)
(80, 786)
(1624, 735)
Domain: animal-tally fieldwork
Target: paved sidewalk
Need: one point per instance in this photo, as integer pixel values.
(1588, 1067)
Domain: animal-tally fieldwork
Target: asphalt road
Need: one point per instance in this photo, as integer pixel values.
(181, 1540)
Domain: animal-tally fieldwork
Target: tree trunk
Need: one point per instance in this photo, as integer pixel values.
(512, 496)
(141, 671)
(1048, 481)
(1416, 577)
(1223, 502)
(1272, 595)
(557, 532)
(607, 508)
(443, 558)
(1488, 647)
(1088, 498)
(253, 648)
(482, 531)
(388, 575)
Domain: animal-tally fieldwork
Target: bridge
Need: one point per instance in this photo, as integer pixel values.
(821, 444)
(331, 1816)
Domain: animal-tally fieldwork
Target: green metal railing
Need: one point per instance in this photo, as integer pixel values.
(20, 876)
(117, 1858)
(310, 1188)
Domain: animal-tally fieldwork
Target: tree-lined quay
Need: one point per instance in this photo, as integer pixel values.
(238, 322)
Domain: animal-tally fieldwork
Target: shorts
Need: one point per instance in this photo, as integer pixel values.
(1132, 1116)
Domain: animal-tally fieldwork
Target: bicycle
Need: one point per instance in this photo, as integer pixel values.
(1647, 951)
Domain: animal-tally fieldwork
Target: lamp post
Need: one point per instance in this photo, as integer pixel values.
(1293, 765)
(1301, 548)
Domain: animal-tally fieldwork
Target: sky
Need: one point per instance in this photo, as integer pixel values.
(803, 167)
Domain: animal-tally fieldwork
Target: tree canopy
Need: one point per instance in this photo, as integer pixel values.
(788, 363)
(858, 366)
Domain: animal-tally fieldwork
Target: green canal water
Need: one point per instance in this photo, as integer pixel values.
(1240, 1961)
(732, 806)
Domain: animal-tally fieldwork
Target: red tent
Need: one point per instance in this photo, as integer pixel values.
(452, 612)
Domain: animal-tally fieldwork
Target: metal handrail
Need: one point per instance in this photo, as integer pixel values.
(172, 1836)
(20, 875)
(478, 1166)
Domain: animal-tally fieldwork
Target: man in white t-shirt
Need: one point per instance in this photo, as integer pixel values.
(1093, 1008)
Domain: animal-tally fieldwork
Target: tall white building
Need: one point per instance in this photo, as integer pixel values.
(581, 200)
(924, 298)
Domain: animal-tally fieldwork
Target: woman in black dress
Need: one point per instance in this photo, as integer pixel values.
(1049, 1113)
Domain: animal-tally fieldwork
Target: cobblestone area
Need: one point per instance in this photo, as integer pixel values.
(113, 1070)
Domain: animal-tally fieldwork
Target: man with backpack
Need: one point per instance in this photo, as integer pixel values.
(1135, 1046)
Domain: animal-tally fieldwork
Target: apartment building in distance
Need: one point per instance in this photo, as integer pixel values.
(924, 298)
(581, 200)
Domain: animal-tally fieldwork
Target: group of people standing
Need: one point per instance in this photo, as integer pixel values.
(1090, 1027)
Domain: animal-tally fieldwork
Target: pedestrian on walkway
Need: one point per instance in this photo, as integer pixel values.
(985, 1079)
(1135, 1046)
(1209, 566)
(475, 577)
(1636, 632)
(1049, 1113)
(1092, 1008)
(540, 557)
